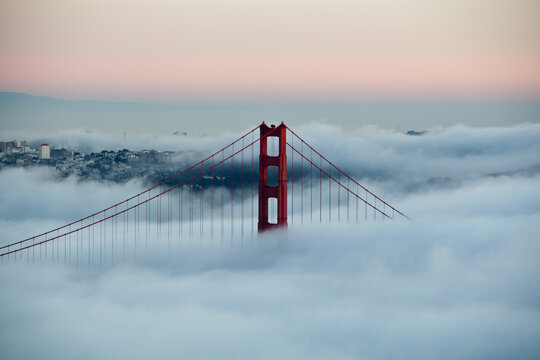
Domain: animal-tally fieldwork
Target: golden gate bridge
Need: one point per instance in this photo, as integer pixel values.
(215, 198)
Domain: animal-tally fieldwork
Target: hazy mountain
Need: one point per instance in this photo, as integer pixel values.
(23, 113)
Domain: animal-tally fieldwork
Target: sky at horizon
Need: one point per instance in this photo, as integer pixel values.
(280, 50)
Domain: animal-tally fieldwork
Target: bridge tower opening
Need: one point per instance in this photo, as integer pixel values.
(279, 191)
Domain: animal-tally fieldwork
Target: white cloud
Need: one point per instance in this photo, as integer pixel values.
(458, 281)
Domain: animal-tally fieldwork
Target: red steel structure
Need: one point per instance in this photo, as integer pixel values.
(167, 211)
(266, 191)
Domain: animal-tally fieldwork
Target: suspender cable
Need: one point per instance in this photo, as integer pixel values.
(365, 206)
(337, 169)
(252, 188)
(374, 212)
(201, 205)
(242, 194)
(339, 200)
(147, 223)
(340, 184)
(311, 188)
(348, 186)
(357, 205)
(222, 193)
(158, 223)
(179, 214)
(89, 235)
(190, 211)
(292, 183)
(212, 184)
(329, 197)
(124, 236)
(137, 229)
(169, 206)
(320, 189)
(302, 186)
(232, 196)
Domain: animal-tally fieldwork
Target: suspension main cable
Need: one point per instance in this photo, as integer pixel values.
(134, 196)
(150, 198)
(357, 183)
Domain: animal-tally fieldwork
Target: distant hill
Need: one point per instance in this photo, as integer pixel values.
(23, 112)
(15, 99)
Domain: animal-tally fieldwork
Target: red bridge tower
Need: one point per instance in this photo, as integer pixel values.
(266, 191)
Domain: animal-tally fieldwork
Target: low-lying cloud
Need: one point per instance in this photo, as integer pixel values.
(458, 281)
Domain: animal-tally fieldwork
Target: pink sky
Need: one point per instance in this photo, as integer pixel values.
(249, 49)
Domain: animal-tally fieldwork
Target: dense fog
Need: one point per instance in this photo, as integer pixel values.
(457, 281)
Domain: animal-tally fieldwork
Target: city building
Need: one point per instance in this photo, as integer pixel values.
(44, 151)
